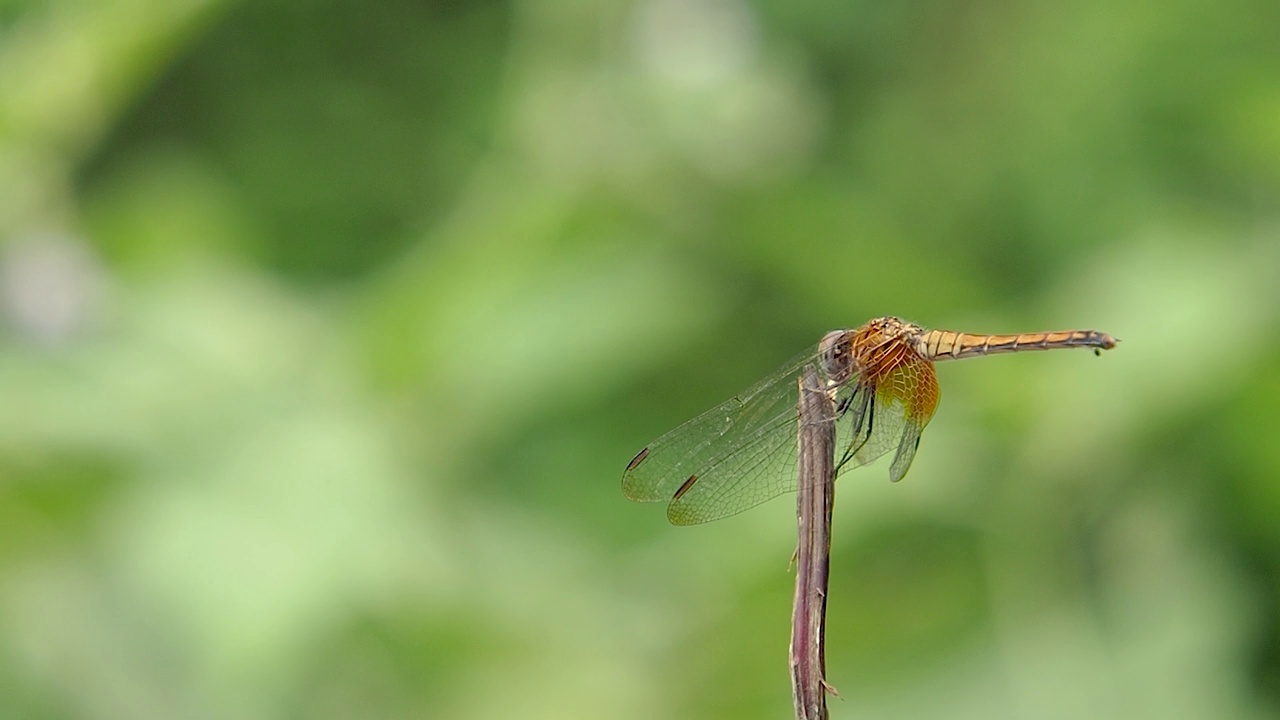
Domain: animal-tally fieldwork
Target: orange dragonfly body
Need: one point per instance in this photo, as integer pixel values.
(882, 383)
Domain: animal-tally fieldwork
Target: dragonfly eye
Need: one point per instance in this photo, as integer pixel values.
(836, 355)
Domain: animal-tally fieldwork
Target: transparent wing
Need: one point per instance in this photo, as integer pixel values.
(730, 458)
(894, 407)
(743, 451)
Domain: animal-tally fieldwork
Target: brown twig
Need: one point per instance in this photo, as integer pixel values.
(814, 498)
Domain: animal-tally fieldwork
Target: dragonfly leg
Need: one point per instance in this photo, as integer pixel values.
(866, 411)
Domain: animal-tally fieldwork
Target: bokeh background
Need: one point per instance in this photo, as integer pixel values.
(328, 329)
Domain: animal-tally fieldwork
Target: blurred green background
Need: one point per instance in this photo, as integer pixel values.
(328, 329)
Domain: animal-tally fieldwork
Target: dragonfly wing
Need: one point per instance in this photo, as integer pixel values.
(730, 458)
(743, 451)
(755, 471)
(888, 411)
(906, 450)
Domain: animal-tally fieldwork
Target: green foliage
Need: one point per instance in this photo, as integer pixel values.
(329, 328)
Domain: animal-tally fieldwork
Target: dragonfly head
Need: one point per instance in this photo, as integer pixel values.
(835, 353)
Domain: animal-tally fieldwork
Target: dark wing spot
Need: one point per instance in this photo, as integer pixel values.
(639, 458)
(685, 487)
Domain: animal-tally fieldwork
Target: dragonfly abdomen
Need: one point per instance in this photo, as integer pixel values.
(947, 345)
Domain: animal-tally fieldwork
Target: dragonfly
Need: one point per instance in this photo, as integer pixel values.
(882, 384)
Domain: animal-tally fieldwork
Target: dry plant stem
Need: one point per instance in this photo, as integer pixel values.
(816, 493)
